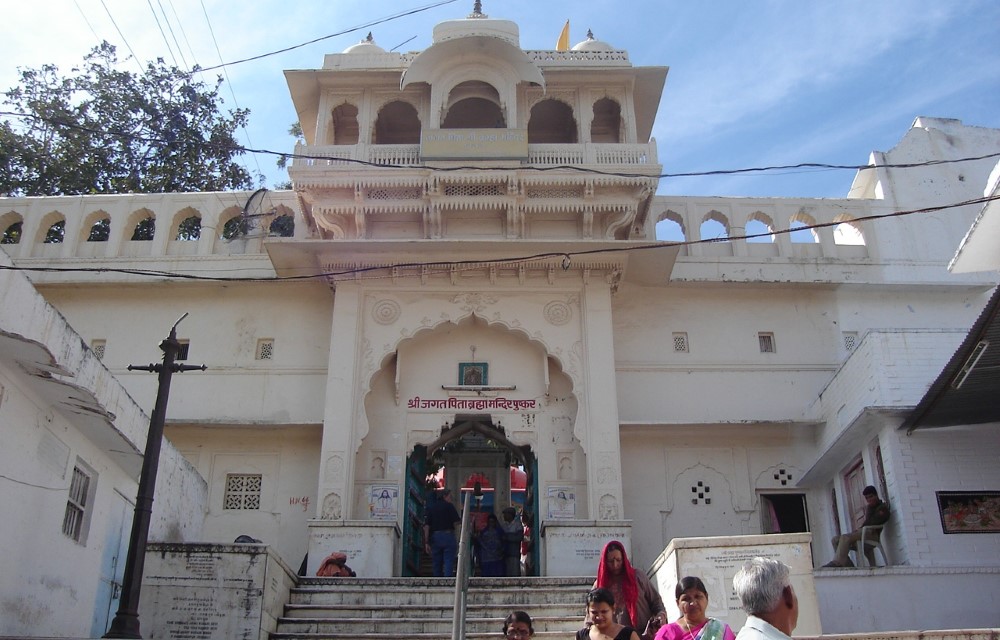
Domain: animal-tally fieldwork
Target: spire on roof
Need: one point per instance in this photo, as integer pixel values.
(477, 10)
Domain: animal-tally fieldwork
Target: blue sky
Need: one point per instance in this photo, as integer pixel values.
(751, 83)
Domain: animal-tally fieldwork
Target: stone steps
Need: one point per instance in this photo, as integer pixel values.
(377, 608)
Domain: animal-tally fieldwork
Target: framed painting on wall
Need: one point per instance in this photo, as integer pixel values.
(969, 511)
(473, 374)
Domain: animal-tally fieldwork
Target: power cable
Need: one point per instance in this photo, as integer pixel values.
(546, 168)
(229, 82)
(162, 34)
(85, 19)
(173, 36)
(446, 266)
(334, 35)
(122, 36)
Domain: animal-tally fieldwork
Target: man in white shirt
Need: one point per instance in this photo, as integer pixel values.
(765, 589)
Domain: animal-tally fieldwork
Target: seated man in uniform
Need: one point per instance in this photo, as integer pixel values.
(877, 512)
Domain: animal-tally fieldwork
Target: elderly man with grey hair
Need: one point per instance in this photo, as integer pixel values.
(765, 589)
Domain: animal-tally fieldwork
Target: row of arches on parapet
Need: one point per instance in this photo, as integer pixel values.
(186, 225)
(477, 105)
(760, 227)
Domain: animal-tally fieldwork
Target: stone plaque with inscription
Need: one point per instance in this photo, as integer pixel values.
(573, 547)
(716, 560)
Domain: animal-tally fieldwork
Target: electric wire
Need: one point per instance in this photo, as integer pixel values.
(162, 34)
(542, 169)
(173, 36)
(438, 267)
(229, 82)
(87, 20)
(122, 36)
(367, 25)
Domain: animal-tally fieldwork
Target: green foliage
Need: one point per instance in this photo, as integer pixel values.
(104, 130)
(56, 233)
(189, 229)
(145, 229)
(283, 226)
(236, 227)
(12, 234)
(101, 231)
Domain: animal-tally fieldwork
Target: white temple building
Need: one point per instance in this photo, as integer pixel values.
(473, 279)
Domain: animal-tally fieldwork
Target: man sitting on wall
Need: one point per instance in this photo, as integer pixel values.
(876, 513)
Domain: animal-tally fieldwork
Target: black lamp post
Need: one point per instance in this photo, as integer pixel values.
(126, 621)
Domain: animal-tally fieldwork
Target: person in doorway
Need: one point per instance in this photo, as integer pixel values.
(694, 623)
(526, 545)
(513, 534)
(764, 588)
(490, 548)
(876, 512)
(517, 626)
(639, 604)
(439, 534)
(601, 623)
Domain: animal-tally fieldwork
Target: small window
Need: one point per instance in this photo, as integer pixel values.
(680, 342)
(97, 346)
(76, 520)
(182, 354)
(100, 231)
(766, 340)
(243, 491)
(144, 231)
(265, 349)
(12, 235)
(56, 233)
(850, 341)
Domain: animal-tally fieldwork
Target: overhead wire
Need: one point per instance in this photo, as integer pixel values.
(173, 36)
(162, 34)
(122, 36)
(367, 25)
(229, 83)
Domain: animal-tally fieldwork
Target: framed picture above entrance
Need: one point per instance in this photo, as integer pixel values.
(473, 374)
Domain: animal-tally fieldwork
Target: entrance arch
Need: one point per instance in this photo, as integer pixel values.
(474, 448)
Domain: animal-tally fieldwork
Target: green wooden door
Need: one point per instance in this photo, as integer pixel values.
(413, 514)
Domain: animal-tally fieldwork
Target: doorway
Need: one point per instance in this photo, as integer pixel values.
(472, 450)
(784, 513)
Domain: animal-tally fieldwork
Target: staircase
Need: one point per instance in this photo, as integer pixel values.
(394, 608)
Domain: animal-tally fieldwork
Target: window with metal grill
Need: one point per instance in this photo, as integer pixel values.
(76, 504)
(243, 491)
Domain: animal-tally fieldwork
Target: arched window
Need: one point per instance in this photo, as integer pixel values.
(100, 231)
(715, 226)
(56, 233)
(474, 105)
(189, 229)
(670, 228)
(12, 234)
(552, 122)
(761, 226)
(145, 229)
(283, 226)
(848, 233)
(801, 231)
(607, 123)
(345, 124)
(236, 226)
(397, 123)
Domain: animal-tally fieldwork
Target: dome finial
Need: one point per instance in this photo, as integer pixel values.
(369, 38)
(477, 10)
(590, 34)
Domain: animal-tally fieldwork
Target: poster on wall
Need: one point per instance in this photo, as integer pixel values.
(561, 503)
(383, 501)
(969, 511)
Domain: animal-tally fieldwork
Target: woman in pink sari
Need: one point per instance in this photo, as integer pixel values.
(694, 623)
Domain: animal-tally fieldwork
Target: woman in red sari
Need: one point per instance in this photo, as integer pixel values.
(637, 603)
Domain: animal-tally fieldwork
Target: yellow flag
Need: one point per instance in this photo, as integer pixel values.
(563, 43)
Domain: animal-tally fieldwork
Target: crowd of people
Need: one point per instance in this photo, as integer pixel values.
(623, 604)
(763, 586)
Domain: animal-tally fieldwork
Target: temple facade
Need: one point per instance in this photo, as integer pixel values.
(474, 280)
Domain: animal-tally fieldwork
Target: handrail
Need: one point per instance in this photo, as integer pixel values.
(462, 573)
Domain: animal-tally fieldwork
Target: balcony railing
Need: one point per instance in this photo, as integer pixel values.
(538, 154)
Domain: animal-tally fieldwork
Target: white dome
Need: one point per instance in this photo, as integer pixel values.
(365, 46)
(590, 44)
